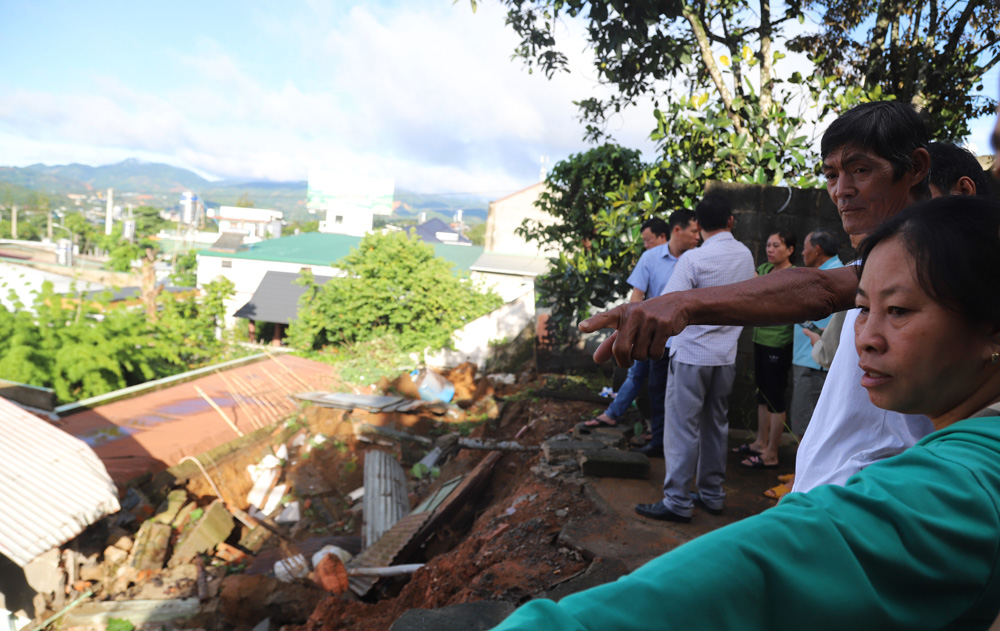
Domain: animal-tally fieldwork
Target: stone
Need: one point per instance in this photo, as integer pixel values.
(474, 616)
(92, 573)
(213, 528)
(113, 555)
(124, 542)
(614, 463)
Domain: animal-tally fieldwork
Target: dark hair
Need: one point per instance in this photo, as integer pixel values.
(787, 237)
(680, 217)
(713, 212)
(949, 163)
(890, 129)
(825, 240)
(656, 225)
(955, 244)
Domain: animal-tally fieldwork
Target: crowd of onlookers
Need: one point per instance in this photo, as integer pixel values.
(892, 519)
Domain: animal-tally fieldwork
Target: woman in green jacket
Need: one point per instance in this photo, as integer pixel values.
(772, 359)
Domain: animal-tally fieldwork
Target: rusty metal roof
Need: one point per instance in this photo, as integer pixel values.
(52, 485)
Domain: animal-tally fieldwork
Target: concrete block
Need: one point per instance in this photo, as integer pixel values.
(150, 549)
(212, 529)
(614, 463)
(172, 505)
(554, 450)
(43, 573)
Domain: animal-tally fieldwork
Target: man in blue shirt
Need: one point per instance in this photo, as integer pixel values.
(648, 279)
(819, 251)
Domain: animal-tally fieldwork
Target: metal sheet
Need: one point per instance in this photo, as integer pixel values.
(346, 401)
(386, 500)
(52, 485)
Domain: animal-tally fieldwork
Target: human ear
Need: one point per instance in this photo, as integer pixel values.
(964, 186)
(921, 165)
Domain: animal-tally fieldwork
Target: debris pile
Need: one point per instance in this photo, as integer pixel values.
(251, 538)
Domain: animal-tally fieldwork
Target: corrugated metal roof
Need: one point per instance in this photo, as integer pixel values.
(276, 298)
(52, 485)
(318, 248)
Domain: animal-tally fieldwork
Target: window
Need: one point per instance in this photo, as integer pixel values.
(338, 219)
(227, 264)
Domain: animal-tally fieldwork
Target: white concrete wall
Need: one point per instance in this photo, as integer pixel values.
(356, 222)
(472, 342)
(246, 274)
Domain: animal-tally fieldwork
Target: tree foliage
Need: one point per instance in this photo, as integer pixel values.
(596, 252)
(82, 348)
(393, 285)
(928, 53)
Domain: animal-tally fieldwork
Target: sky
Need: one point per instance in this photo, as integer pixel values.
(424, 91)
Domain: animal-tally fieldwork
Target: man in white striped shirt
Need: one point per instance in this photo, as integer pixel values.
(702, 370)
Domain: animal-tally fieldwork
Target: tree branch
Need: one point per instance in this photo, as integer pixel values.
(713, 69)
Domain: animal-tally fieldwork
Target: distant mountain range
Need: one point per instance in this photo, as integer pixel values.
(165, 183)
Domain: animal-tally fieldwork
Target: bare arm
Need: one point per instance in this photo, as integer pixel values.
(785, 297)
(638, 295)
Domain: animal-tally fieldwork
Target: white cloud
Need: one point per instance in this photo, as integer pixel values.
(431, 94)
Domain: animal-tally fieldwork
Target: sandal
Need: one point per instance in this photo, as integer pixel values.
(756, 462)
(745, 450)
(777, 492)
(786, 477)
(600, 422)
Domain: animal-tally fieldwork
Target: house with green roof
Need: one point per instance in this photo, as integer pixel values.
(247, 264)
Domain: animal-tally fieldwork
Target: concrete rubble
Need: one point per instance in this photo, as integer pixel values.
(180, 555)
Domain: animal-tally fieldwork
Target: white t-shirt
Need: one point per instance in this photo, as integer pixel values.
(847, 433)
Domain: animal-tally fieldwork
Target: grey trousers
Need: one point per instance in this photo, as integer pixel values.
(807, 383)
(696, 433)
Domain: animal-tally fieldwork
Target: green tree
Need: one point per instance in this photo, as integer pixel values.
(595, 256)
(302, 226)
(477, 234)
(394, 286)
(244, 201)
(930, 54)
(185, 269)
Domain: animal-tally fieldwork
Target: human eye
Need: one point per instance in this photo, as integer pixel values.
(897, 311)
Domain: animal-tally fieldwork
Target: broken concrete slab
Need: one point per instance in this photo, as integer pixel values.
(171, 506)
(554, 449)
(614, 463)
(137, 612)
(43, 573)
(212, 529)
(150, 549)
(475, 616)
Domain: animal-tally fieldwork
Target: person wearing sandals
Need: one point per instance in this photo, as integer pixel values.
(772, 355)
(647, 280)
(909, 542)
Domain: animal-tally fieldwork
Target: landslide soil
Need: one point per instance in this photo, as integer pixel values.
(510, 549)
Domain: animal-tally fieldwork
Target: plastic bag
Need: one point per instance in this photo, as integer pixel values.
(432, 386)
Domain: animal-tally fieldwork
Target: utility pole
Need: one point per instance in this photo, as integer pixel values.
(108, 218)
(13, 223)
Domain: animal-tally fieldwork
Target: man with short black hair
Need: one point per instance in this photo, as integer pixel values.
(649, 277)
(819, 251)
(702, 370)
(955, 171)
(875, 162)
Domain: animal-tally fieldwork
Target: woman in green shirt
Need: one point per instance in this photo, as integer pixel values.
(772, 359)
(911, 542)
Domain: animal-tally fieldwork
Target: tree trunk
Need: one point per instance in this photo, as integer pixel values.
(149, 289)
(713, 69)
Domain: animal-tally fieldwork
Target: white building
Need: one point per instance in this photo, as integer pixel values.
(254, 223)
(350, 201)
